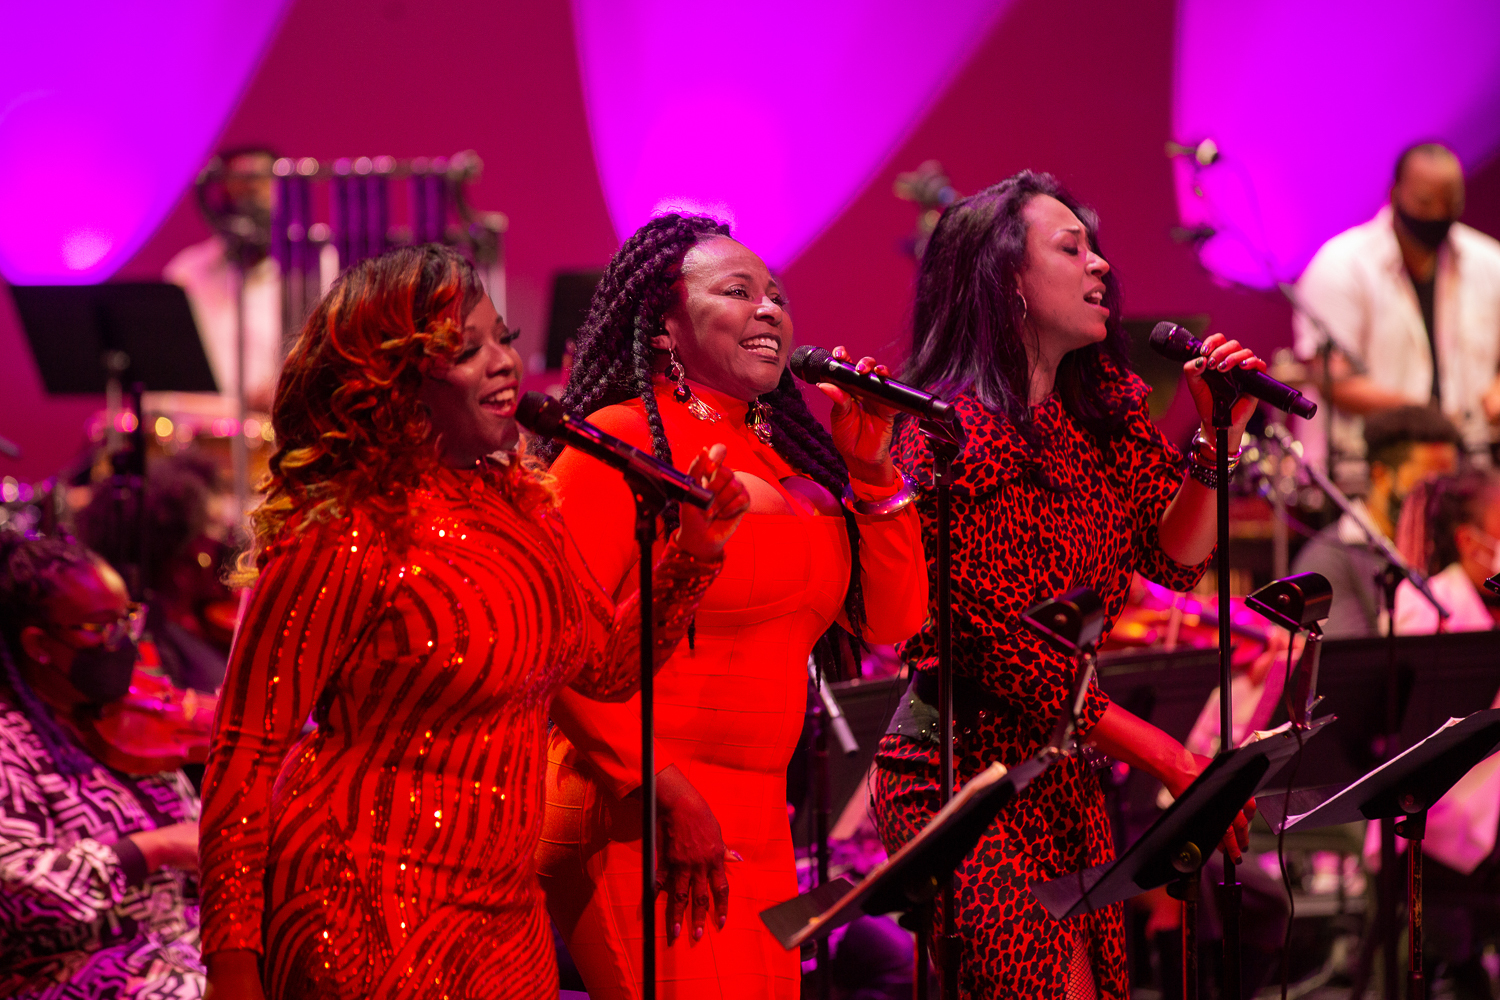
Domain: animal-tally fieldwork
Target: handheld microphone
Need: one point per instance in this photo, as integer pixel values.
(545, 416)
(1172, 341)
(814, 364)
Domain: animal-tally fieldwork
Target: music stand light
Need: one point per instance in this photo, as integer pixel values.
(1294, 602)
(1070, 622)
(1493, 583)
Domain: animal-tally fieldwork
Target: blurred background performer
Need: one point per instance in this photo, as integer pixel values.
(1412, 300)
(209, 272)
(417, 595)
(1064, 482)
(97, 895)
(1450, 529)
(686, 345)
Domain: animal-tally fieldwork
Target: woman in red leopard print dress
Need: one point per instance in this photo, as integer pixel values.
(1063, 482)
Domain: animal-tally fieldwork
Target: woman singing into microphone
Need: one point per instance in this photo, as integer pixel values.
(686, 345)
(417, 595)
(1064, 482)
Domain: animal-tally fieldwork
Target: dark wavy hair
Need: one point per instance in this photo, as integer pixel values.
(350, 424)
(968, 321)
(614, 362)
(1436, 508)
(31, 569)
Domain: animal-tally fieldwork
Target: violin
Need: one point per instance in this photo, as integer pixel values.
(156, 727)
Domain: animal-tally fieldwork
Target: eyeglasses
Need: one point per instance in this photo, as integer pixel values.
(131, 624)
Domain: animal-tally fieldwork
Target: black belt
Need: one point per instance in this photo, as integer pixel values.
(917, 715)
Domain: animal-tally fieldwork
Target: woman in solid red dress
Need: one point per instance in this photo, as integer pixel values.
(686, 344)
(418, 597)
(1064, 482)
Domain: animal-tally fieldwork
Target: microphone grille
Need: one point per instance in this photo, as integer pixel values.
(540, 413)
(807, 362)
(1172, 341)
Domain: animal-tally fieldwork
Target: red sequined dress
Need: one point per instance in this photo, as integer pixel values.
(387, 852)
(728, 711)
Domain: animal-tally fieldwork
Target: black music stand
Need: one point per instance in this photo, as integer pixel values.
(923, 868)
(129, 337)
(909, 880)
(1493, 583)
(1407, 786)
(1174, 849)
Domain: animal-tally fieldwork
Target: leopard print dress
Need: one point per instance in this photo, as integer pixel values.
(1028, 524)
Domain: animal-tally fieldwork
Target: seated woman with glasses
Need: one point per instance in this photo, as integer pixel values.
(97, 886)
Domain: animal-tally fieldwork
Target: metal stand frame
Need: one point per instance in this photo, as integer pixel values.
(649, 504)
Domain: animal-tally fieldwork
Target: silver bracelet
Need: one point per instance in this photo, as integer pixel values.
(881, 508)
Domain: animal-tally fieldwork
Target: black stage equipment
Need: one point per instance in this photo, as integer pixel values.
(1493, 583)
(815, 364)
(923, 869)
(120, 340)
(1173, 851)
(1407, 786)
(544, 415)
(653, 483)
(572, 293)
(824, 714)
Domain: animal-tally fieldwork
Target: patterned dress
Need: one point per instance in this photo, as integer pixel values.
(1029, 524)
(728, 712)
(79, 915)
(388, 852)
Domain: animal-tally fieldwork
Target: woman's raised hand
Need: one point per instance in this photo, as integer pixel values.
(862, 427)
(703, 533)
(1223, 355)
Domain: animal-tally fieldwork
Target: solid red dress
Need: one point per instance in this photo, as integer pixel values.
(387, 853)
(728, 712)
(1028, 524)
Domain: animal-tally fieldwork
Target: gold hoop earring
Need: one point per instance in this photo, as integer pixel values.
(1024, 307)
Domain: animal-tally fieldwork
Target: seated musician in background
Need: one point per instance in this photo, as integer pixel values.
(1412, 301)
(1403, 446)
(1450, 527)
(189, 605)
(96, 884)
(1451, 530)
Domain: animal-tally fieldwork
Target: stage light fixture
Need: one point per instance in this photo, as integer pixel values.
(1293, 602)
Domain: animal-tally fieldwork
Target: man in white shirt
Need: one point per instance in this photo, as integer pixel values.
(1412, 301)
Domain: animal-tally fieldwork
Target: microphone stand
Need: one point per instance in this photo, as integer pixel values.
(945, 439)
(1224, 395)
(649, 503)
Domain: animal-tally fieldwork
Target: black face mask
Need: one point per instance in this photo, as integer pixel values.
(101, 674)
(1429, 232)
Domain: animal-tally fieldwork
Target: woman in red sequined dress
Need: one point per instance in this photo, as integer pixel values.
(1063, 482)
(419, 599)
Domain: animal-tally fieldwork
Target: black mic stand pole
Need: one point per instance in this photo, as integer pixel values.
(944, 440)
(649, 504)
(1224, 395)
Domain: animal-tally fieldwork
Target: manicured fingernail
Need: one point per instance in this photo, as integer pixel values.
(676, 931)
(735, 855)
(1200, 363)
(1224, 366)
(697, 933)
(721, 923)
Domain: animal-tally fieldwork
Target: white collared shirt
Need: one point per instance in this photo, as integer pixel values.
(1358, 286)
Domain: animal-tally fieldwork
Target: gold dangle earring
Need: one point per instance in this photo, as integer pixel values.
(758, 419)
(681, 392)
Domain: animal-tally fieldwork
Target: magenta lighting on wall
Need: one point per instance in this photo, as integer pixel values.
(107, 110)
(771, 115)
(1309, 104)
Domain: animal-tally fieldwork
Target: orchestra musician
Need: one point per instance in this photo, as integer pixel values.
(415, 592)
(97, 855)
(1064, 482)
(686, 344)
